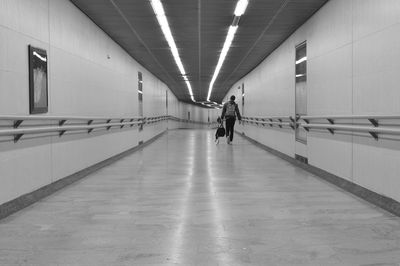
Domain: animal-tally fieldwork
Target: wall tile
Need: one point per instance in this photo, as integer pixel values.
(371, 16)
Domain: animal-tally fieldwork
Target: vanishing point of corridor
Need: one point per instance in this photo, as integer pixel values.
(183, 200)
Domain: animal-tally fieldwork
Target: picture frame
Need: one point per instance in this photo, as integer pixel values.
(38, 80)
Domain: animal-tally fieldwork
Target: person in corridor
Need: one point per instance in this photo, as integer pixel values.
(229, 112)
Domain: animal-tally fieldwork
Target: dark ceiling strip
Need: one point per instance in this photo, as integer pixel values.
(199, 36)
(281, 8)
(140, 39)
(235, 21)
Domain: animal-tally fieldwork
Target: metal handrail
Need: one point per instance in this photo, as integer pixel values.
(266, 122)
(280, 121)
(48, 129)
(307, 117)
(19, 129)
(373, 119)
(269, 117)
(374, 129)
(54, 118)
(155, 119)
(385, 130)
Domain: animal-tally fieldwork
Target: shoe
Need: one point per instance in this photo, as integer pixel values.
(228, 141)
(216, 141)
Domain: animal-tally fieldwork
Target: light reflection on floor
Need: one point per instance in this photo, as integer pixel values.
(185, 201)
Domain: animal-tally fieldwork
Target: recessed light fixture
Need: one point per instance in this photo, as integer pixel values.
(239, 11)
(162, 20)
(241, 7)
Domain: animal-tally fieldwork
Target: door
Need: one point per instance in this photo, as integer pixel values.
(242, 111)
(166, 108)
(301, 99)
(140, 104)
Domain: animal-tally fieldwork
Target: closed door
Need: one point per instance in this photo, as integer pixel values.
(140, 103)
(301, 89)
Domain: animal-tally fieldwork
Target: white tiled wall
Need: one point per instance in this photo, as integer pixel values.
(353, 68)
(83, 81)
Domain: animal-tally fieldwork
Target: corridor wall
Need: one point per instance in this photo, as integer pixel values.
(353, 68)
(88, 75)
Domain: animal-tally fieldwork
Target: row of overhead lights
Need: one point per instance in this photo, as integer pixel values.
(239, 11)
(162, 20)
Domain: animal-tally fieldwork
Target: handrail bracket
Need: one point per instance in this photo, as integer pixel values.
(17, 123)
(89, 123)
(374, 135)
(61, 122)
(373, 122)
(17, 137)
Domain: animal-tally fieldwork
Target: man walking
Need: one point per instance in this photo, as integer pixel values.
(229, 112)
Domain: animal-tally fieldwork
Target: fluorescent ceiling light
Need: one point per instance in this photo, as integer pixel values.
(224, 52)
(239, 11)
(301, 60)
(162, 20)
(241, 7)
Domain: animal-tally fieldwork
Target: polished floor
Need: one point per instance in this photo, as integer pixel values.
(185, 201)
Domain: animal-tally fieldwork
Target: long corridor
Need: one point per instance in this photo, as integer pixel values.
(183, 200)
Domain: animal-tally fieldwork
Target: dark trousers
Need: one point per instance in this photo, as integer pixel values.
(230, 123)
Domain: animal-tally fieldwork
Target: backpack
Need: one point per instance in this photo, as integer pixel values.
(230, 109)
(220, 131)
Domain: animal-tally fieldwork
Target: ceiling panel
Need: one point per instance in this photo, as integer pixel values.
(199, 28)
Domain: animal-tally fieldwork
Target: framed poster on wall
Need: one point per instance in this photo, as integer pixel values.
(38, 91)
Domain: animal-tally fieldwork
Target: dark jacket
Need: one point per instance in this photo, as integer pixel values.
(236, 110)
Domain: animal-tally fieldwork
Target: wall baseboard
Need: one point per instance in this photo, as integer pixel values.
(25, 200)
(370, 196)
